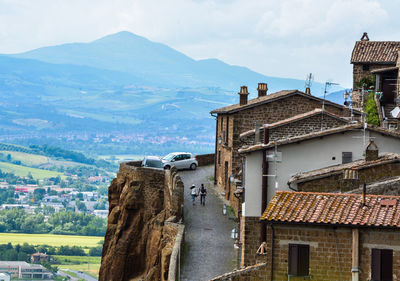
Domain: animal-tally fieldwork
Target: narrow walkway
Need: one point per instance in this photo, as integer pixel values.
(208, 250)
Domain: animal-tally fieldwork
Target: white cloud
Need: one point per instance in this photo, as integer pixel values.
(285, 38)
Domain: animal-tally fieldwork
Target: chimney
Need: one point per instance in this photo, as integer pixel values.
(371, 152)
(308, 91)
(363, 194)
(365, 37)
(262, 89)
(243, 95)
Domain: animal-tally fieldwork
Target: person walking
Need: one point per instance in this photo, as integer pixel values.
(203, 193)
(193, 192)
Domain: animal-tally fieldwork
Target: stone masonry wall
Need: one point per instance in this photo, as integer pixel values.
(250, 240)
(335, 182)
(298, 128)
(138, 242)
(330, 250)
(205, 159)
(245, 120)
(359, 73)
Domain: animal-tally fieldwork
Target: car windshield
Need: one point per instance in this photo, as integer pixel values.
(169, 157)
(154, 163)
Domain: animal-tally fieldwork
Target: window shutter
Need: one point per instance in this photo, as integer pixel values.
(387, 265)
(304, 260)
(376, 265)
(293, 254)
(347, 157)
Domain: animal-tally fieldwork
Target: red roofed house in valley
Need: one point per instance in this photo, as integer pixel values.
(376, 64)
(329, 236)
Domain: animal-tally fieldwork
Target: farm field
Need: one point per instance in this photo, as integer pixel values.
(23, 171)
(26, 158)
(50, 239)
(77, 259)
(92, 269)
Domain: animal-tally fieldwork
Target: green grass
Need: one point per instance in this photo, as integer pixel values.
(93, 269)
(50, 239)
(23, 171)
(77, 259)
(26, 158)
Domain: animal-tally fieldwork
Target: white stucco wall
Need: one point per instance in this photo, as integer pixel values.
(253, 185)
(306, 156)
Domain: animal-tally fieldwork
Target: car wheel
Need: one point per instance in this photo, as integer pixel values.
(193, 166)
(167, 167)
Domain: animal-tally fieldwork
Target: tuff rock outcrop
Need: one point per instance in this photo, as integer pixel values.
(145, 204)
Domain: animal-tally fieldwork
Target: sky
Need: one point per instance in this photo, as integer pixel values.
(281, 38)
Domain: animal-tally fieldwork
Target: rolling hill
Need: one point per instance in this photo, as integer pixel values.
(123, 93)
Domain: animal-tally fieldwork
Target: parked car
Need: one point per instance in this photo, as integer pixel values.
(152, 162)
(181, 160)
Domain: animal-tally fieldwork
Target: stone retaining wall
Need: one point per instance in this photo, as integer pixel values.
(205, 159)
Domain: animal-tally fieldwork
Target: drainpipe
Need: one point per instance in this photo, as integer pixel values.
(264, 192)
(355, 271)
(216, 150)
(272, 252)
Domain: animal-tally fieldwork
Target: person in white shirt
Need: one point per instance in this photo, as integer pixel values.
(193, 192)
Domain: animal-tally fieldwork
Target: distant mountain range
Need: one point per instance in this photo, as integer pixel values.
(121, 85)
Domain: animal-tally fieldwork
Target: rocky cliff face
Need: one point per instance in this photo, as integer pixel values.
(144, 204)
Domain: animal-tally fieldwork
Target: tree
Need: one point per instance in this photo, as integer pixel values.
(371, 110)
(38, 194)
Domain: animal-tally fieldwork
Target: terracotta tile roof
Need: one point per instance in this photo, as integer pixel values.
(267, 99)
(295, 118)
(296, 139)
(381, 52)
(333, 209)
(338, 169)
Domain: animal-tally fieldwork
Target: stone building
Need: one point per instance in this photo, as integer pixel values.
(381, 176)
(333, 236)
(376, 64)
(269, 167)
(41, 257)
(326, 236)
(236, 119)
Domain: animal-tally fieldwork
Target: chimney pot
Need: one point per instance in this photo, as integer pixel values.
(243, 95)
(308, 91)
(371, 152)
(364, 191)
(262, 89)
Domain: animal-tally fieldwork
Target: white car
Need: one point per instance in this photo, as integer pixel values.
(180, 160)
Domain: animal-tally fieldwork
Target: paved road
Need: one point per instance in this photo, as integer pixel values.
(208, 250)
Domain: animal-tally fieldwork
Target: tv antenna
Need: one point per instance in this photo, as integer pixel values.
(327, 85)
(309, 80)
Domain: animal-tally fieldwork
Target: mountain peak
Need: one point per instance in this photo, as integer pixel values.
(122, 35)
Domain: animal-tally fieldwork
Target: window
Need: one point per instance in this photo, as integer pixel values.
(227, 130)
(219, 157)
(365, 67)
(347, 157)
(299, 260)
(381, 265)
